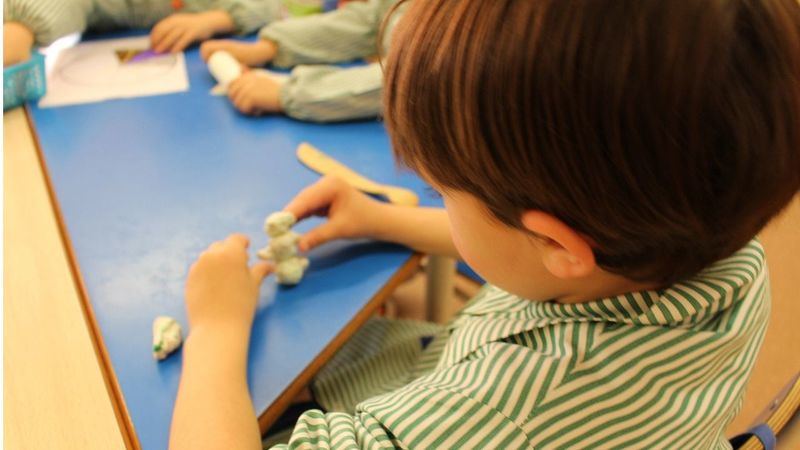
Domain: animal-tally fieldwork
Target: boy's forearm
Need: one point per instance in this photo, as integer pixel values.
(213, 408)
(425, 230)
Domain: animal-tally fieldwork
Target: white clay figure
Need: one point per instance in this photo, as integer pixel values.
(166, 336)
(282, 248)
(279, 223)
(291, 270)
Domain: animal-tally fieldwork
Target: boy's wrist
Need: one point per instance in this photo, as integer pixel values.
(381, 220)
(231, 333)
(267, 49)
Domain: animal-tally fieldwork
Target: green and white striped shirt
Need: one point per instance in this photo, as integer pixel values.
(52, 19)
(651, 369)
(321, 92)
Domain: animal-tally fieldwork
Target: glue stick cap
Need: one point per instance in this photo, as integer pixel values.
(224, 67)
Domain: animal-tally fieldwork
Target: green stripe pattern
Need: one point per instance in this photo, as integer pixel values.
(651, 369)
(52, 19)
(318, 90)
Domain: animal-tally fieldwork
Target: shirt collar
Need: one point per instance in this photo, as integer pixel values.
(684, 303)
(494, 314)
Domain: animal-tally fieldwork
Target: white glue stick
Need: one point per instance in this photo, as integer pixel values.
(224, 67)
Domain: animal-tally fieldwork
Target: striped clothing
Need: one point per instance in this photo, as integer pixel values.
(324, 92)
(52, 19)
(650, 369)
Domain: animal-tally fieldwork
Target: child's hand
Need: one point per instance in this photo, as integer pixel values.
(350, 213)
(178, 31)
(252, 54)
(221, 289)
(17, 43)
(255, 94)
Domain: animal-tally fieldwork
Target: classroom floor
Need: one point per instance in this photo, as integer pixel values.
(779, 358)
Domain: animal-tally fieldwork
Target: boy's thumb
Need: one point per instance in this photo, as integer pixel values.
(260, 270)
(317, 236)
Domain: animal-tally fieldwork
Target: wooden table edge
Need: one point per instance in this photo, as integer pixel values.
(109, 377)
(284, 400)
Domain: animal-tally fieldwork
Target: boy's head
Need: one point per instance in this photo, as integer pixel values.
(658, 136)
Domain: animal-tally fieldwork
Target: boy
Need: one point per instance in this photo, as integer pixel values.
(604, 165)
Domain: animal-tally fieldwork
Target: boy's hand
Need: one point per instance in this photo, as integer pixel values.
(350, 213)
(252, 54)
(255, 94)
(178, 31)
(221, 289)
(17, 43)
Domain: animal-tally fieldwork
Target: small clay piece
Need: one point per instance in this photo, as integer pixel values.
(279, 223)
(291, 270)
(166, 336)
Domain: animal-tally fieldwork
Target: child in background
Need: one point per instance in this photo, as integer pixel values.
(605, 166)
(320, 92)
(178, 23)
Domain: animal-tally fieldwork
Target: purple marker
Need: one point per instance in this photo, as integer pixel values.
(147, 54)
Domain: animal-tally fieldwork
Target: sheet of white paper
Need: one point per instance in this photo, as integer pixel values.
(92, 72)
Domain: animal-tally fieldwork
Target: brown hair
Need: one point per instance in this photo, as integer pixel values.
(667, 132)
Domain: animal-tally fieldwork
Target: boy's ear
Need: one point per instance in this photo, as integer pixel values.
(565, 253)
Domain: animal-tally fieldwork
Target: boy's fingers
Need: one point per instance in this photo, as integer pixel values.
(204, 51)
(215, 246)
(171, 36)
(208, 48)
(260, 270)
(234, 88)
(313, 198)
(318, 236)
(157, 34)
(160, 36)
(238, 240)
(183, 42)
(238, 98)
(243, 99)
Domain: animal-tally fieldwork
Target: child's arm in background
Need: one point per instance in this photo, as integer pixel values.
(349, 33)
(353, 214)
(17, 43)
(250, 15)
(177, 31)
(46, 21)
(313, 93)
(213, 408)
(346, 34)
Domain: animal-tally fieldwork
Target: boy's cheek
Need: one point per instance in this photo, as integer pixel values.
(476, 251)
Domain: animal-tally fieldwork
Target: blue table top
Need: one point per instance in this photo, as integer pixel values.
(144, 185)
